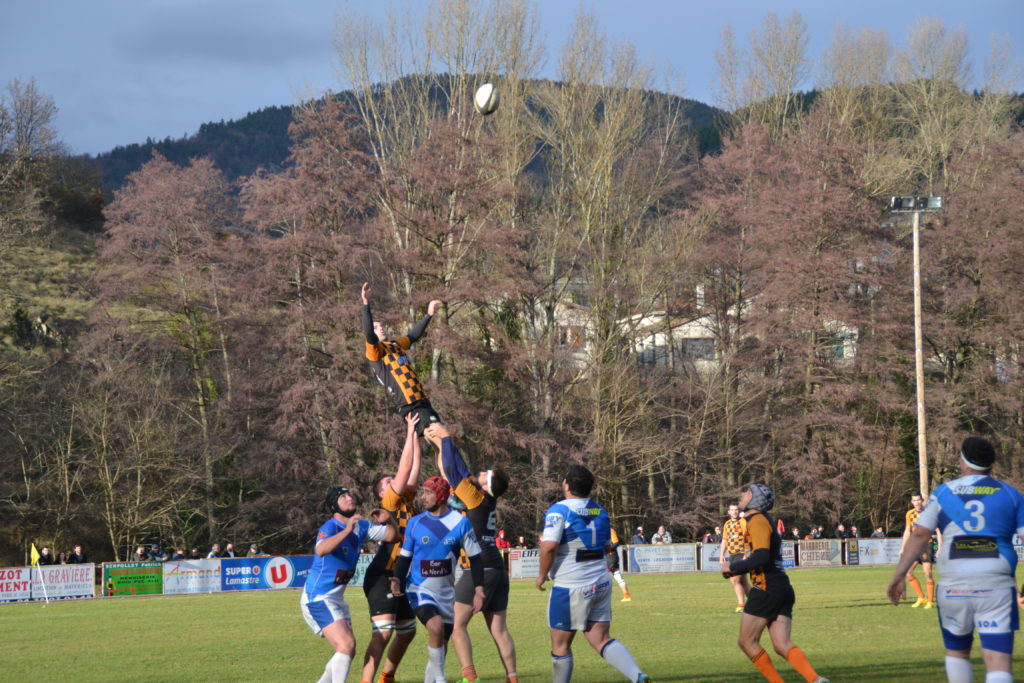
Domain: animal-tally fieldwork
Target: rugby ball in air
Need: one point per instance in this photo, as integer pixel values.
(486, 99)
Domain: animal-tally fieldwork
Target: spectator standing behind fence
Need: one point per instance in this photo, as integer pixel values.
(215, 551)
(521, 543)
(662, 537)
(141, 555)
(194, 554)
(229, 550)
(713, 536)
(178, 554)
(794, 534)
(638, 537)
(841, 533)
(156, 554)
(878, 533)
(854, 532)
(254, 551)
(77, 557)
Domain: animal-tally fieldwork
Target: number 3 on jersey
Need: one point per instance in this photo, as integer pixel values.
(977, 521)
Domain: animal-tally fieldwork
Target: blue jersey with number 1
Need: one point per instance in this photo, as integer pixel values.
(582, 530)
(978, 516)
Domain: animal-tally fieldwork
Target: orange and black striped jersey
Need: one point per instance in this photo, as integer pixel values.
(391, 364)
(912, 514)
(762, 536)
(734, 533)
(400, 507)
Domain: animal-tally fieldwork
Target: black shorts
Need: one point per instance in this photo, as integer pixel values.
(771, 604)
(377, 588)
(928, 554)
(495, 590)
(733, 558)
(428, 415)
(611, 560)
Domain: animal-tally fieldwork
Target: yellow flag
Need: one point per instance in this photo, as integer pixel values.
(35, 555)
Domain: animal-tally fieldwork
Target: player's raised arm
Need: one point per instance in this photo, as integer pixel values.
(381, 516)
(367, 319)
(326, 546)
(405, 465)
(421, 327)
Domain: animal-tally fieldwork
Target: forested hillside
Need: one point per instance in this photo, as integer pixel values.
(187, 366)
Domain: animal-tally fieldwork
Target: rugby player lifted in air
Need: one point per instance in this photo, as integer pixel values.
(479, 496)
(392, 366)
(771, 597)
(978, 516)
(336, 554)
(572, 552)
(390, 614)
(427, 562)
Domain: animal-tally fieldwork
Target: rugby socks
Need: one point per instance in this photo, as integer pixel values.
(958, 670)
(764, 664)
(469, 673)
(561, 668)
(436, 657)
(999, 677)
(337, 669)
(618, 579)
(512, 678)
(616, 654)
(386, 677)
(931, 590)
(798, 660)
(916, 585)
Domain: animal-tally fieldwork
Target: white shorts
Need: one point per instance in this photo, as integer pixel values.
(571, 609)
(424, 597)
(992, 612)
(324, 610)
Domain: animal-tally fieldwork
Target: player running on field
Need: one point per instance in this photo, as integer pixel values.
(771, 598)
(427, 562)
(390, 614)
(733, 549)
(336, 555)
(925, 558)
(978, 516)
(391, 364)
(572, 552)
(478, 495)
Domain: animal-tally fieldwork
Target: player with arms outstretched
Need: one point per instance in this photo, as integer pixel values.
(391, 364)
(572, 553)
(978, 516)
(390, 614)
(336, 554)
(771, 598)
(478, 494)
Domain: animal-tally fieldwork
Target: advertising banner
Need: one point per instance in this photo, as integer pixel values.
(132, 578)
(788, 554)
(821, 553)
(64, 581)
(709, 557)
(523, 564)
(15, 584)
(872, 551)
(681, 557)
(262, 573)
(191, 576)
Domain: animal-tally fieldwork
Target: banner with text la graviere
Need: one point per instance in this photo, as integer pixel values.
(262, 573)
(132, 578)
(15, 584)
(64, 581)
(523, 564)
(679, 557)
(869, 551)
(821, 553)
(191, 576)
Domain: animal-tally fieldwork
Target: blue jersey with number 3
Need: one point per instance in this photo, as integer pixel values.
(582, 530)
(978, 516)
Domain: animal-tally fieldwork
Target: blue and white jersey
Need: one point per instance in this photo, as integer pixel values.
(978, 516)
(433, 543)
(331, 573)
(581, 529)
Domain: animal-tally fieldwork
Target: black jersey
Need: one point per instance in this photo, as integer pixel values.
(481, 510)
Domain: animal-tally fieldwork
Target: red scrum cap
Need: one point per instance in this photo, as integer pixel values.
(440, 487)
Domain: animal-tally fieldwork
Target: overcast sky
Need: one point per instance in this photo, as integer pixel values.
(124, 70)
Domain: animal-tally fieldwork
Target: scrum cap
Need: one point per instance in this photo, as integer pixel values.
(331, 499)
(763, 498)
(440, 488)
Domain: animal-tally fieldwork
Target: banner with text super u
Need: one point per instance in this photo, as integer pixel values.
(679, 557)
(262, 573)
(821, 553)
(523, 564)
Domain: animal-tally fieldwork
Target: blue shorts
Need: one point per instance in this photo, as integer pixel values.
(573, 609)
(324, 610)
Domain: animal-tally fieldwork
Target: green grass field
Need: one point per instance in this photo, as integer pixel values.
(679, 627)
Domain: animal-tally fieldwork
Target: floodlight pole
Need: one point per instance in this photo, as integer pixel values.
(915, 206)
(922, 442)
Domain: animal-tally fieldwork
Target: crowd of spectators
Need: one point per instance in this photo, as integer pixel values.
(150, 553)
